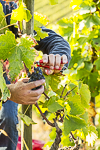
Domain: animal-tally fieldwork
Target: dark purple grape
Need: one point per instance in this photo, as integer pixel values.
(36, 75)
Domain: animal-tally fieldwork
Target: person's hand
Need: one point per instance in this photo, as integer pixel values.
(21, 92)
(54, 61)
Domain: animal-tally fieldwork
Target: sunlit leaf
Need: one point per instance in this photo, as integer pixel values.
(76, 108)
(85, 95)
(71, 123)
(21, 13)
(2, 20)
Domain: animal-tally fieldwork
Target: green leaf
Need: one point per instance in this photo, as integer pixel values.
(76, 108)
(96, 41)
(7, 44)
(21, 13)
(85, 95)
(74, 98)
(66, 31)
(98, 130)
(53, 2)
(94, 83)
(91, 19)
(53, 106)
(27, 52)
(72, 123)
(84, 72)
(76, 57)
(16, 64)
(59, 91)
(2, 20)
(39, 33)
(91, 129)
(47, 80)
(66, 22)
(85, 116)
(27, 120)
(87, 9)
(16, 53)
(53, 134)
(54, 82)
(40, 19)
(65, 141)
(82, 40)
(3, 87)
(97, 63)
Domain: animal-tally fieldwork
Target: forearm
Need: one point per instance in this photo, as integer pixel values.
(54, 44)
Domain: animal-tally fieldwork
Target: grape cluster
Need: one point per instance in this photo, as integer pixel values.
(36, 75)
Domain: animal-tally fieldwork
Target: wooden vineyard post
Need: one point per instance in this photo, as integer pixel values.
(26, 132)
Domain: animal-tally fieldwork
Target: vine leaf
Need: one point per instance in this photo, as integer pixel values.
(85, 95)
(39, 21)
(27, 120)
(17, 53)
(25, 13)
(53, 105)
(7, 45)
(28, 53)
(97, 63)
(95, 84)
(39, 33)
(91, 19)
(47, 79)
(2, 20)
(55, 80)
(16, 64)
(3, 87)
(72, 123)
(76, 109)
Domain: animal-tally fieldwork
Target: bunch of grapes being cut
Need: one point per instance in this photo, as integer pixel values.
(36, 75)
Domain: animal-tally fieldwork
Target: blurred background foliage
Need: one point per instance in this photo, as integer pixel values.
(78, 22)
(54, 12)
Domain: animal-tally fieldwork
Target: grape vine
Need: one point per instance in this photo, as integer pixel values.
(67, 96)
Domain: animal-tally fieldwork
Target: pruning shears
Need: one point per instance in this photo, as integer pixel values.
(41, 64)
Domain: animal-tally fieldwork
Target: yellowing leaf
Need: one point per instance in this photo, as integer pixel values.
(21, 13)
(41, 18)
(2, 19)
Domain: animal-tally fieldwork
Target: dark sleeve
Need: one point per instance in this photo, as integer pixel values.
(54, 44)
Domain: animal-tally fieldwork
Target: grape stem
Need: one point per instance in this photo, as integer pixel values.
(69, 92)
(72, 136)
(46, 95)
(63, 90)
(44, 117)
